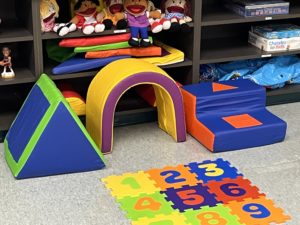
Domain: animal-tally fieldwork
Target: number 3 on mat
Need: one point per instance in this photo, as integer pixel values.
(212, 170)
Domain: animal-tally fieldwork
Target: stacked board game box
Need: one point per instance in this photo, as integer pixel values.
(251, 8)
(276, 37)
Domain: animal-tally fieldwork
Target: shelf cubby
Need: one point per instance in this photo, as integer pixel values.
(22, 54)
(79, 34)
(218, 15)
(217, 35)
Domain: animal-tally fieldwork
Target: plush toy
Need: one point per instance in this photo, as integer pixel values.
(85, 19)
(178, 11)
(157, 25)
(49, 10)
(6, 63)
(137, 17)
(73, 3)
(113, 15)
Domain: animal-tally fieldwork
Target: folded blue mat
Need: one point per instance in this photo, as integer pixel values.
(78, 64)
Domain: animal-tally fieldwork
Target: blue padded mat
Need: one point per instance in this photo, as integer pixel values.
(79, 63)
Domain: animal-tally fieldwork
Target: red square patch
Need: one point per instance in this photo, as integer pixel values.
(242, 121)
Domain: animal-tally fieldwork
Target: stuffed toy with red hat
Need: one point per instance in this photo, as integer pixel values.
(113, 15)
(85, 19)
(178, 12)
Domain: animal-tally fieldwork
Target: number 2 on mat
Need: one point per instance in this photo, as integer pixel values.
(174, 177)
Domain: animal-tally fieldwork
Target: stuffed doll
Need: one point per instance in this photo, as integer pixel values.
(113, 15)
(49, 10)
(137, 17)
(157, 25)
(73, 3)
(85, 19)
(178, 11)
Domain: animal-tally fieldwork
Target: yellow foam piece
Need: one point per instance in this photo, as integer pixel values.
(130, 184)
(112, 75)
(174, 56)
(77, 105)
(174, 218)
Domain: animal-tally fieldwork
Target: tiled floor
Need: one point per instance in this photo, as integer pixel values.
(81, 199)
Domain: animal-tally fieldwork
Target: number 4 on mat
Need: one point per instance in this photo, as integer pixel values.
(147, 203)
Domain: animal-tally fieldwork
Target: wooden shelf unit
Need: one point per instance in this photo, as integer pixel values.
(224, 37)
(217, 35)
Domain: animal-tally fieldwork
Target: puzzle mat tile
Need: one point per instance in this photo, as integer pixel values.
(199, 193)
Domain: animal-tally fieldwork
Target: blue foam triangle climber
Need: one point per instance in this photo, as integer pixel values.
(56, 141)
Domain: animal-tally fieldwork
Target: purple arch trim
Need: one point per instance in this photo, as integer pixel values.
(117, 92)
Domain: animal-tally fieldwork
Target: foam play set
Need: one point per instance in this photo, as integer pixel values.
(113, 81)
(206, 193)
(47, 137)
(230, 115)
(222, 116)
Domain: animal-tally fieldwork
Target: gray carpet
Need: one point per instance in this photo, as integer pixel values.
(81, 199)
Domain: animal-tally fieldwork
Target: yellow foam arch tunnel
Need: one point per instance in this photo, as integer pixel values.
(113, 81)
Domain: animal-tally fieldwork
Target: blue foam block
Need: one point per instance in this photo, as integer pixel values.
(245, 97)
(272, 130)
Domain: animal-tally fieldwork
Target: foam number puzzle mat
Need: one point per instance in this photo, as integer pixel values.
(206, 193)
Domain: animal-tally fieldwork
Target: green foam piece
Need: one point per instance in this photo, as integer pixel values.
(158, 200)
(105, 47)
(57, 53)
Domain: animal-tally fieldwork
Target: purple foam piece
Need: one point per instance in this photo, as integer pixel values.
(146, 77)
(190, 197)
